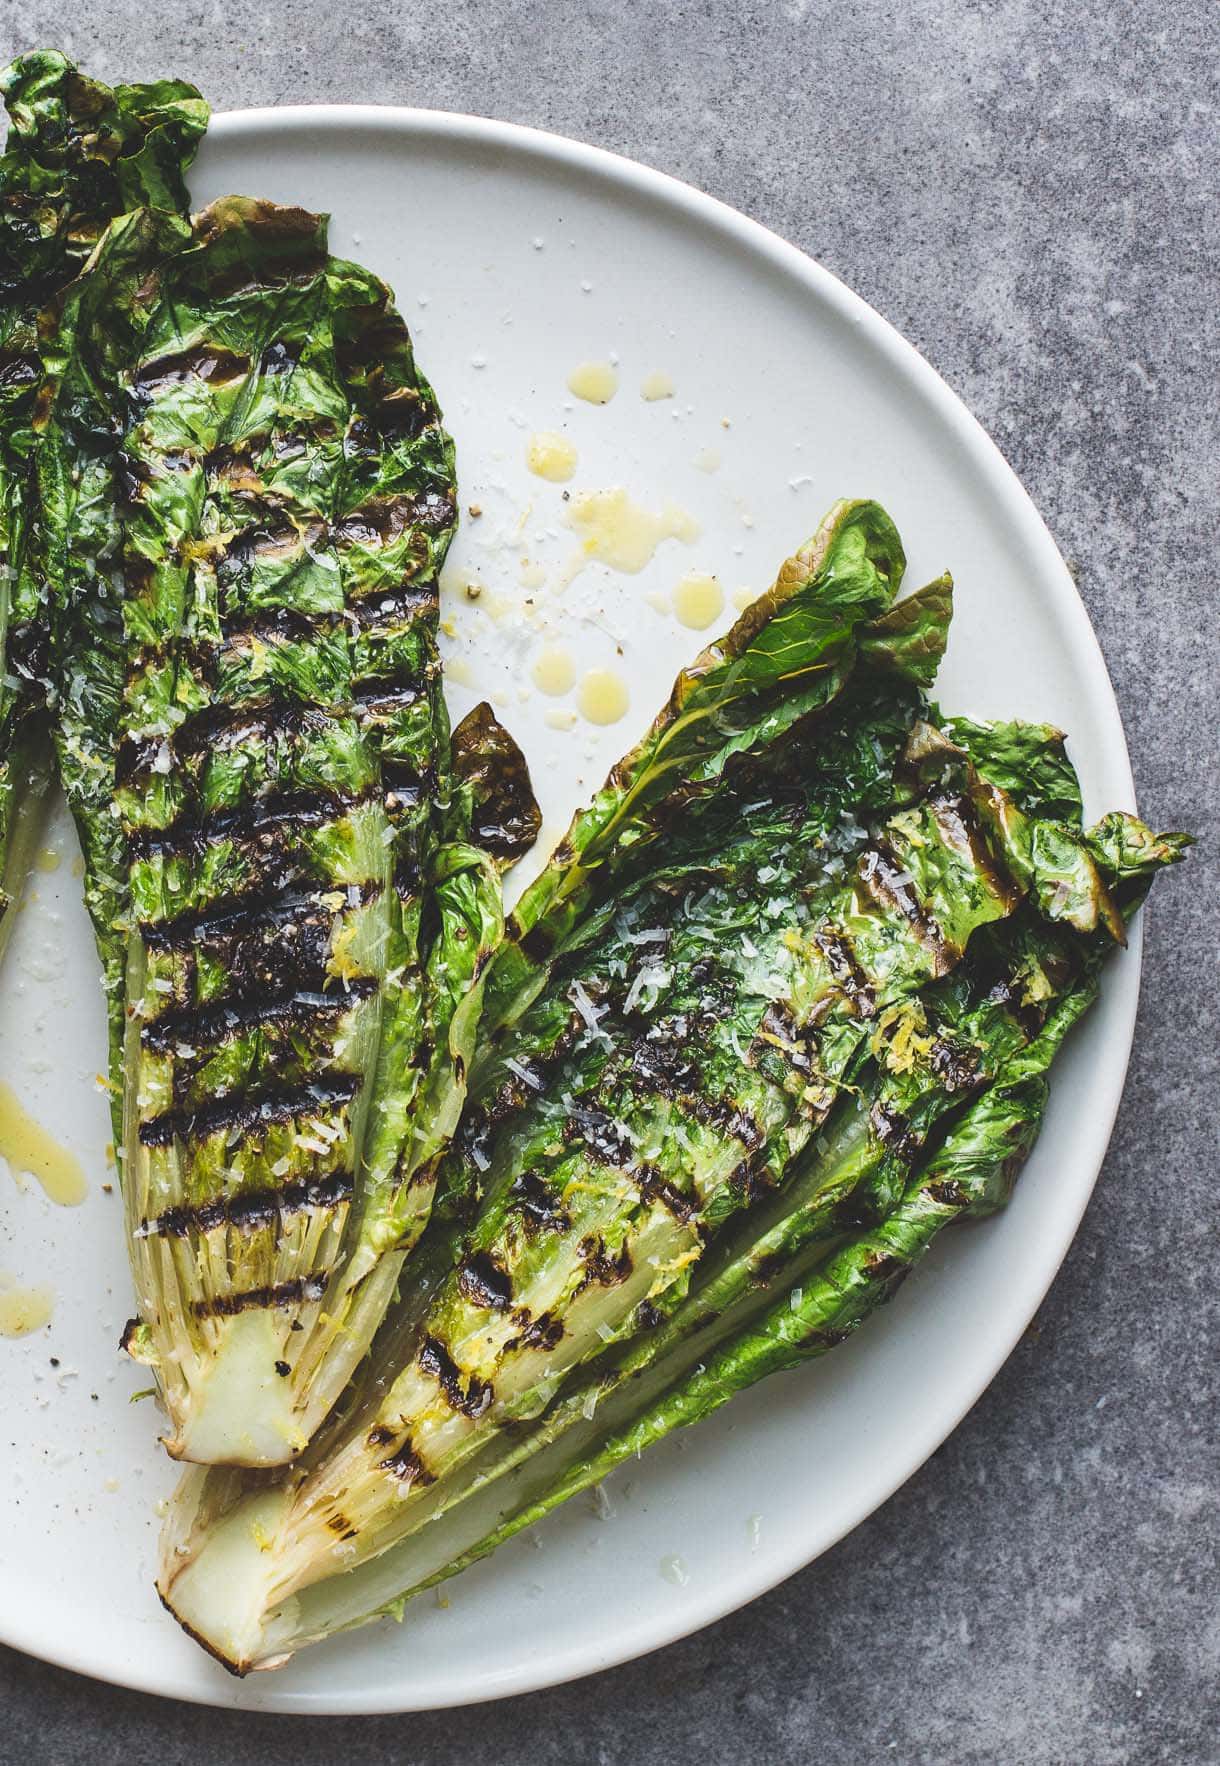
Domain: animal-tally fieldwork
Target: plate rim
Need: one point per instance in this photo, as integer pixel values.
(666, 1626)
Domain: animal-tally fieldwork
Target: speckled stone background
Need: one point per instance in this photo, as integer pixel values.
(1027, 189)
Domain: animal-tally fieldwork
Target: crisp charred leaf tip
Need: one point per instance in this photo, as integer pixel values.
(1098, 880)
(1028, 760)
(504, 814)
(910, 639)
(1129, 851)
(1046, 857)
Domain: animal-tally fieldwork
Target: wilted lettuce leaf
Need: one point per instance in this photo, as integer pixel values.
(504, 814)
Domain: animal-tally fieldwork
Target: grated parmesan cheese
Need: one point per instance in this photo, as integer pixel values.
(525, 1074)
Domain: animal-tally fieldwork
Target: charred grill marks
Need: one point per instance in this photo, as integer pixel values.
(846, 972)
(19, 369)
(540, 1208)
(406, 783)
(210, 1024)
(955, 1064)
(275, 1294)
(766, 1269)
(382, 520)
(222, 727)
(403, 605)
(749, 1182)
(600, 1267)
(481, 1280)
(267, 815)
(662, 1065)
(471, 1399)
(962, 834)
(544, 1332)
(404, 1463)
(779, 1030)
(246, 1112)
(594, 1129)
(210, 362)
(879, 871)
(665, 1065)
(259, 911)
(729, 1117)
(655, 1188)
(891, 1129)
(376, 698)
(251, 1210)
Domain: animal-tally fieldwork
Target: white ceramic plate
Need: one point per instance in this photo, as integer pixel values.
(516, 256)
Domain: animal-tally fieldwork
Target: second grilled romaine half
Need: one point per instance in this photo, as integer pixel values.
(736, 1056)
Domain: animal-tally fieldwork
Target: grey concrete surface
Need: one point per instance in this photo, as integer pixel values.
(1028, 189)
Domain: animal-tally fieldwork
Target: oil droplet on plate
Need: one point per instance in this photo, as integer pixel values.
(532, 574)
(743, 598)
(457, 669)
(23, 1310)
(27, 1147)
(707, 460)
(656, 386)
(603, 696)
(47, 860)
(595, 382)
(550, 456)
(554, 672)
(560, 718)
(615, 531)
(698, 601)
(675, 1571)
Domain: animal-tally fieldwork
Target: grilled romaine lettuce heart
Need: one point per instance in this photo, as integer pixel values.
(249, 495)
(78, 154)
(739, 1064)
